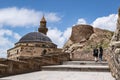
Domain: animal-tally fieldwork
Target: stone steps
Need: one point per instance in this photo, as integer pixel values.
(70, 70)
(85, 66)
(84, 63)
(76, 68)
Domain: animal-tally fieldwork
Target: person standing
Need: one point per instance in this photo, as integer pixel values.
(100, 53)
(95, 54)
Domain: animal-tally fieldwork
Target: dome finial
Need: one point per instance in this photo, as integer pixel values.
(43, 19)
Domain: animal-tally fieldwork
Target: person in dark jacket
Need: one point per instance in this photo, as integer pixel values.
(100, 53)
(95, 54)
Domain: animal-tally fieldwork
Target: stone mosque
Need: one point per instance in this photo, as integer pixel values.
(33, 44)
(33, 50)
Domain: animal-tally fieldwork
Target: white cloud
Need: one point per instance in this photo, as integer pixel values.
(81, 21)
(106, 22)
(16, 36)
(5, 44)
(67, 33)
(6, 40)
(24, 17)
(51, 17)
(58, 37)
(3, 53)
(5, 32)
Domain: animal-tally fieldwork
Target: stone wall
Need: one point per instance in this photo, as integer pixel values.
(29, 64)
(85, 55)
(48, 59)
(114, 51)
(3, 69)
(13, 67)
(112, 63)
(29, 49)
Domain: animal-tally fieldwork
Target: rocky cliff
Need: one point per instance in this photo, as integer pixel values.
(83, 39)
(114, 51)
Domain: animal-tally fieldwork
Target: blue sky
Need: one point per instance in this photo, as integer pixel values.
(19, 17)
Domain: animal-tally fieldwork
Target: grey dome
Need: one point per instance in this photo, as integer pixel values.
(35, 37)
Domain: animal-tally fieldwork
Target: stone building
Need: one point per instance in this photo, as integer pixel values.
(33, 44)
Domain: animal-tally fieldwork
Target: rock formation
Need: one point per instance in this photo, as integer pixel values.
(80, 34)
(83, 39)
(114, 51)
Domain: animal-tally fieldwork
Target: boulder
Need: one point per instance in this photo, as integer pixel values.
(81, 33)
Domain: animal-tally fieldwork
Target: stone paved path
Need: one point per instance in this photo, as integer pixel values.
(84, 71)
(62, 75)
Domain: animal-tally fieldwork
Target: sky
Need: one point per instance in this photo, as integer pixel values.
(19, 17)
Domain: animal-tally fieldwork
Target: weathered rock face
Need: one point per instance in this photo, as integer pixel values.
(114, 51)
(83, 39)
(81, 33)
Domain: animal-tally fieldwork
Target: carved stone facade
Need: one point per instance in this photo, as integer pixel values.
(114, 51)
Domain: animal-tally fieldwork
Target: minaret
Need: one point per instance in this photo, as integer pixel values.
(42, 28)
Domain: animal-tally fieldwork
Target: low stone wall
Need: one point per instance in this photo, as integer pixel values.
(114, 63)
(49, 59)
(30, 64)
(85, 56)
(3, 69)
(13, 67)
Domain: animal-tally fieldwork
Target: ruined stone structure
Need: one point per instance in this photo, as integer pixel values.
(114, 51)
(83, 39)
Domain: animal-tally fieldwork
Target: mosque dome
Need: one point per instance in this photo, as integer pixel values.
(35, 37)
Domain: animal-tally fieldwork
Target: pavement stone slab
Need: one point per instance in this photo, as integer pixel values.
(62, 75)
